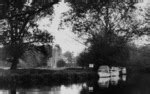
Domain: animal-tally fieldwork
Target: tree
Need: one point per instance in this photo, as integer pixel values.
(20, 29)
(61, 63)
(69, 56)
(84, 59)
(147, 16)
(107, 26)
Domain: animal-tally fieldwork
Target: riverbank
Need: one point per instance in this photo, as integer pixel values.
(35, 77)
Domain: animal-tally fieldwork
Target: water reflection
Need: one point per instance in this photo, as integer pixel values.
(113, 80)
(73, 89)
(4, 92)
(124, 78)
(82, 88)
(90, 89)
(63, 89)
(130, 84)
(104, 82)
(70, 89)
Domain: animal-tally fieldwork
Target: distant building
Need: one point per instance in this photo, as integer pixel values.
(56, 56)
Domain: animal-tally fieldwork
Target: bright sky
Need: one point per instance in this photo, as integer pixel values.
(65, 37)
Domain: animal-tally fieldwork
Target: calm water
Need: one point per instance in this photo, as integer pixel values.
(131, 84)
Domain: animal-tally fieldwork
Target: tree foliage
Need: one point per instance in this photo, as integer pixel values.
(20, 28)
(69, 56)
(147, 16)
(107, 26)
(61, 63)
(109, 17)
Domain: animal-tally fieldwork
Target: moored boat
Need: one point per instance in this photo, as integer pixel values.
(103, 71)
(114, 71)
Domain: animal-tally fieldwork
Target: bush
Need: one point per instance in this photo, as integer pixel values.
(61, 63)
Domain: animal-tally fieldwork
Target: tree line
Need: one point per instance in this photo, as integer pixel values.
(108, 28)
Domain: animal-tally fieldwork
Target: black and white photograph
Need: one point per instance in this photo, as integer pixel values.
(74, 46)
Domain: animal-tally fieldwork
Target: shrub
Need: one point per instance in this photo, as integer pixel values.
(61, 63)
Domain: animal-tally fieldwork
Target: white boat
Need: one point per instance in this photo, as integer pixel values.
(124, 71)
(103, 71)
(114, 71)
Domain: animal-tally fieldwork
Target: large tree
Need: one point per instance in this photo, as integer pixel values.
(20, 29)
(107, 26)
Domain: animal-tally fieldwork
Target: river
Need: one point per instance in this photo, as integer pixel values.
(135, 83)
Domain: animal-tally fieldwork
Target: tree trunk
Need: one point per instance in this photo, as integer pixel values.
(14, 64)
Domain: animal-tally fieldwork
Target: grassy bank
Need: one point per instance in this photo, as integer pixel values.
(34, 77)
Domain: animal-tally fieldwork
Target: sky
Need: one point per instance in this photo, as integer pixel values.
(65, 38)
